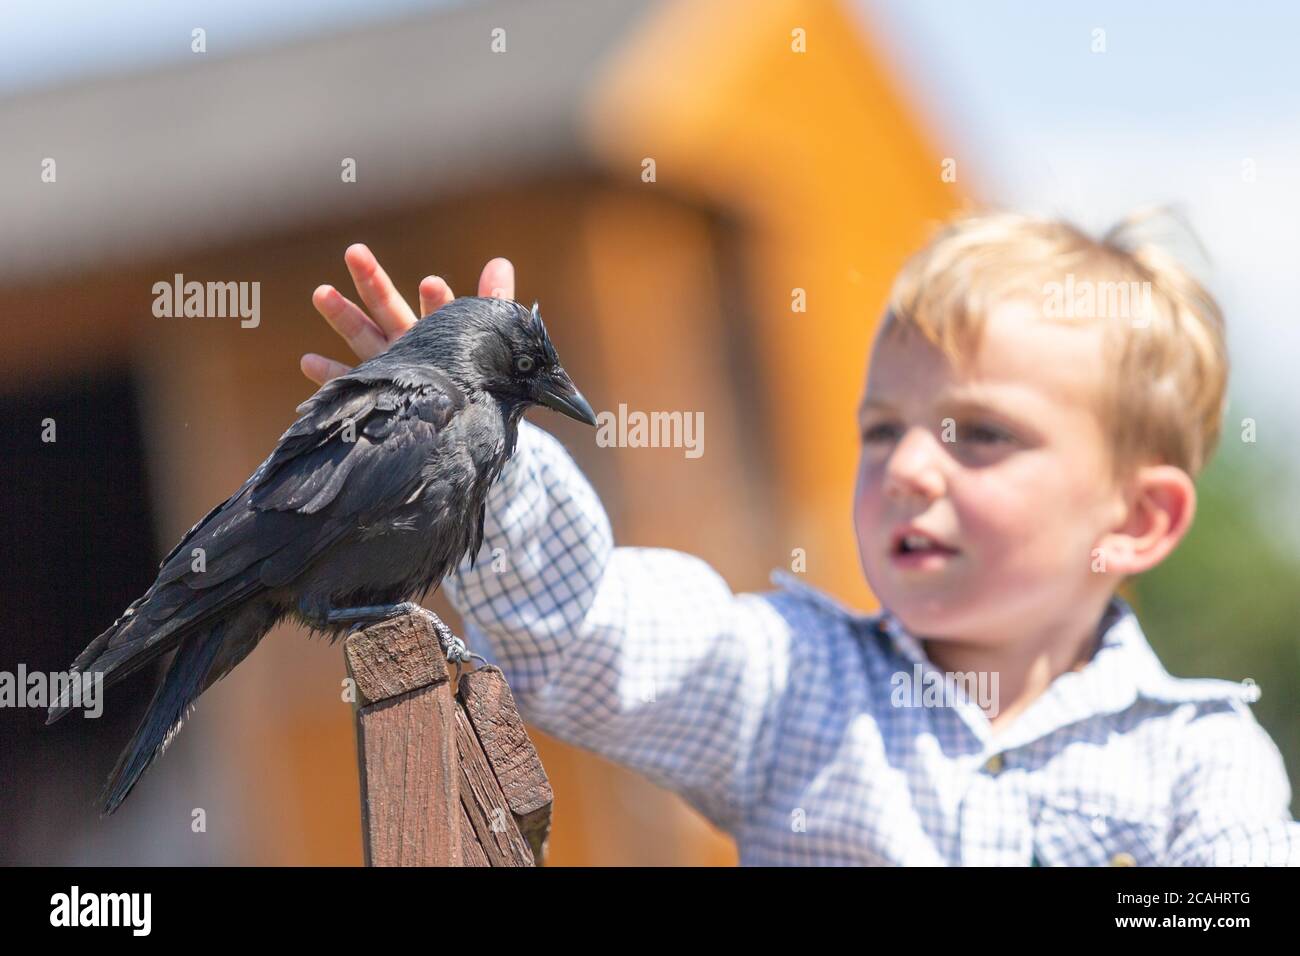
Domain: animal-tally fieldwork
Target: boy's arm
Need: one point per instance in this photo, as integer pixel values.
(643, 655)
(1233, 796)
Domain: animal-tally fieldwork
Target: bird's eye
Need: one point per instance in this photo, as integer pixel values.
(524, 363)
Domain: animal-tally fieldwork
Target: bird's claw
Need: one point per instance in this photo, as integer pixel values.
(458, 653)
(455, 649)
(360, 617)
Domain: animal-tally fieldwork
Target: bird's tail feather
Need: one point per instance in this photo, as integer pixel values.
(113, 664)
(186, 679)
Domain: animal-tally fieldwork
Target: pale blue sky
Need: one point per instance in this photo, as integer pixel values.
(992, 66)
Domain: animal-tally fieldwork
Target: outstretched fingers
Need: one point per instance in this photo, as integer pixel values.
(434, 294)
(347, 319)
(320, 369)
(390, 317)
(388, 310)
(498, 279)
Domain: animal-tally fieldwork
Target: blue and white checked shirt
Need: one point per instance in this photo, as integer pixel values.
(771, 713)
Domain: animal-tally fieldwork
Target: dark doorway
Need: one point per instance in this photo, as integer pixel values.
(79, 546)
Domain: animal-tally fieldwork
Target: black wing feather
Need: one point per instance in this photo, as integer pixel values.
(256, 538)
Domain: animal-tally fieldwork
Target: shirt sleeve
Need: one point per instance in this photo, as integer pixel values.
(1233, 797)
(642, 655)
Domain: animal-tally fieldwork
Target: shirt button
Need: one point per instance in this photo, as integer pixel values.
(1123, 859)
(994, 764)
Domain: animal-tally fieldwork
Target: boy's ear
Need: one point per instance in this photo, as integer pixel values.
(1161, 505)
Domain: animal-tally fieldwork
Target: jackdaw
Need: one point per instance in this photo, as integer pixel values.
(373, 495)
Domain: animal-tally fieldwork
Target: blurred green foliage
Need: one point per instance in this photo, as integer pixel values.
(1226, 603)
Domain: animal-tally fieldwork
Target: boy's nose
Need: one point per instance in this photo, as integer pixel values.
(913, 468)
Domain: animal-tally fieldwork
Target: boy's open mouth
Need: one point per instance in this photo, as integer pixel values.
(911, 546)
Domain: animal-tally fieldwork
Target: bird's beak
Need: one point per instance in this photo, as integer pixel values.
(561, 394)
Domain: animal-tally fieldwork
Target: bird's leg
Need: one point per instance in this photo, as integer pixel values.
(452, 646)
(370, 613)
(326, 618)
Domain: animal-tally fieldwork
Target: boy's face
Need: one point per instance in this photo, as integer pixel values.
(1003, 469)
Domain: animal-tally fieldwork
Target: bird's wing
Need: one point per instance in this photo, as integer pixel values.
(359, 442)
(327, 412)
(339, 428)
(356, 455)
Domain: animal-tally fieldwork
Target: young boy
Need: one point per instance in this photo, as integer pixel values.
(1029, 440)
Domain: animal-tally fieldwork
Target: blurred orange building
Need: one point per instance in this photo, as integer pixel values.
(708, 198)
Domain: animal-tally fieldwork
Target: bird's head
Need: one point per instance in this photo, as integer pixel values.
(503, 348)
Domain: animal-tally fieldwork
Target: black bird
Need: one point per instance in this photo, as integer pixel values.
(370, 498)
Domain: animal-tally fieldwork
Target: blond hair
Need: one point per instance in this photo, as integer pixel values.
(1166, 396)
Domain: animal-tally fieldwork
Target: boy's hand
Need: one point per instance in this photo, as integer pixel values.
(390, 316)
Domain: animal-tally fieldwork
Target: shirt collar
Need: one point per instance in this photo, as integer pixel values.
(1123, 669)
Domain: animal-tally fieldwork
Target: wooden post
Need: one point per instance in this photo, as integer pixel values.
(447, 778)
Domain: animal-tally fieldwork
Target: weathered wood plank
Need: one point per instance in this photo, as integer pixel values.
(395, 656)
(407, 757)
(471, 851)
(448, 776)
(485, 804)
(490, 707)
